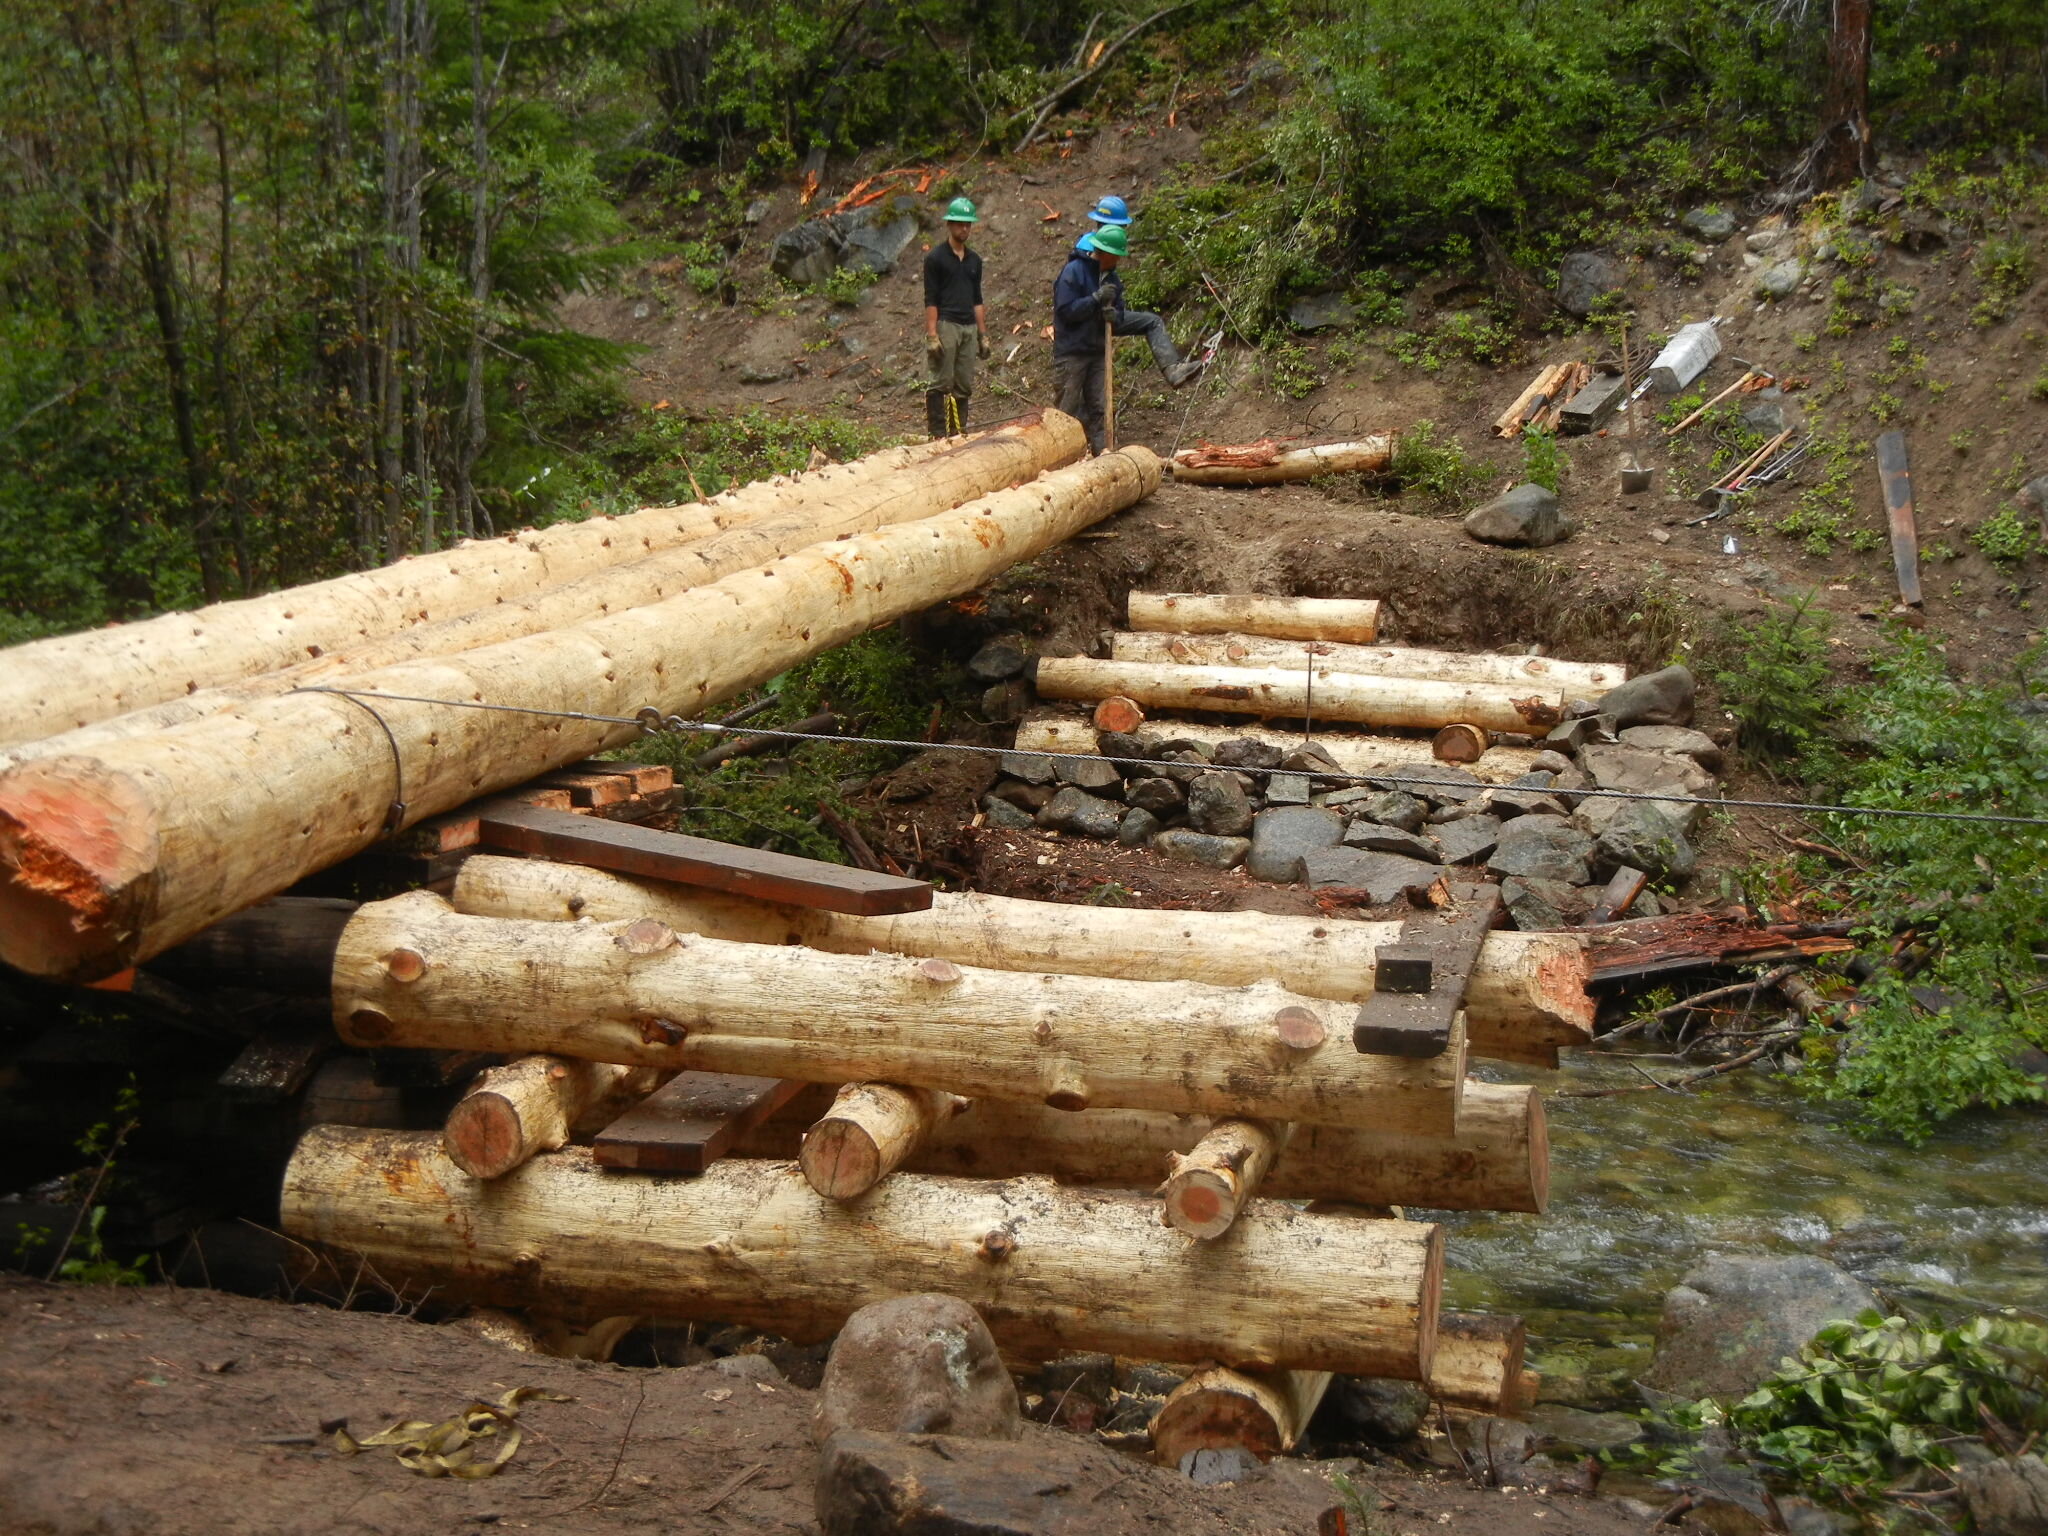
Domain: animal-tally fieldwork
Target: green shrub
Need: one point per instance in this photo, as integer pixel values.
(2006, 536)
(2004, 270)
(1440, 470)
(1773, 676)
(1542, 459)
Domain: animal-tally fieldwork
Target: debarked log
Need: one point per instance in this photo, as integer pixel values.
(1051, 1270)
(1386, 757)
(413, 972)
(1210, 1184)
(1406, 702)
(1478, 1362)
(534, 1104)
(867, 1134)
(1580, 679)
(1355, 620)
(114, 857)
(1527, 991)
(1368, 456)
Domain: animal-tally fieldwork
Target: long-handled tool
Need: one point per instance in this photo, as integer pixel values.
(1109, 383)
(1634, 478)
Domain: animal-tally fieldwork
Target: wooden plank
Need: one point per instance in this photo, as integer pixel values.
(648, 778)
(1435, 954)
(1895, 473)
(589, 790)
(626, 849)
(691, 1121)
(277, 1064)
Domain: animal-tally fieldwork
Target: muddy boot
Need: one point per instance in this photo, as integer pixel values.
(935, 412)
(1185, 373)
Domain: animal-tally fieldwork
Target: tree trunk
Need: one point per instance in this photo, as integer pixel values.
(1051, 1270)
(1844, 149)
(761, 524)
(534, 1104)
(866, 1135)
(118, 856)
(1210, 1185)
(71, 680)
(1263, 1412)
(1363, 756)
(1527, 990)
(1406, 702)
(1498, 1161)
(1370, 456)
(412, 972)
(1353, 620)
(1578, 679)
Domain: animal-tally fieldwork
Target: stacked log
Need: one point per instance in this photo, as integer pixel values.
(1577, 678)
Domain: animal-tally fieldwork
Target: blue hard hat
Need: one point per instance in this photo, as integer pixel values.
(1111, 210)
(1085, 244)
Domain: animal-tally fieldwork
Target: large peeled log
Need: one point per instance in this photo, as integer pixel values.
(1051, 1270)
(1406, 702)
(115, 857)
(976, 466)
(1383, 757)
(1527, 994)
(1581, 679)
(1368, 456)
(413, 972)
(1355, 620)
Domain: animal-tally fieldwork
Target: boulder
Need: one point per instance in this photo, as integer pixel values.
(1564, 1428)
(1218, 805)
(1552, 763)
(1138, 828)
(873, 1484)
(998, 660)
(1697, 745)
(1384, 877)
(1375, 838)
(2035, 493)
(1527, 517)
(1764, 413)
(1731, 1320)
(807, 254)
(2006, 1498)
(1438, 783)
(1542, 848)
(1381, 1412)
(1031, 767)
(1201, 848)
(754, 372)
(917, 1365)
(1183, 765)
(1126, 749)
(1009, 818)
(1710, 224)
(1246, 752)
(1390, 808)
(1281, 837)
(1636, 772)
(1655, 698)
(1026, 797)
(1584, 278)
(1320, 312)
(1526, 796)
(1467, 840)
(1781, 279)
(1077, 811)
(1090, 773)
(1642, 835)
(1214, 1466)
(1544, 906)
(876, 243)
(1289, 789)
(1578, 732)
(1162, 797)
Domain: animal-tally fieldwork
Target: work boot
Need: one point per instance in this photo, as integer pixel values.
(935, 412)
(1186, 372)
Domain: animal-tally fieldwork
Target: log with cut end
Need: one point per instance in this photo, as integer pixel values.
(1354, 620)
(534, 1105)
(1369, 456)
(867, 1133)
(1015, 452)
(1498, 1161)
(1528, 990)
(1407, 702)
(70, 680)
(1580, 679)
(1208, 1187)
(1458, 743)
(1216, 1409)
(1478, 1362)
(117, 856)
(413, 972)
(1051, 1270)
(1362, 756)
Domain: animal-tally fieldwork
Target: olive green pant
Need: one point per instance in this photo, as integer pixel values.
(953, 372)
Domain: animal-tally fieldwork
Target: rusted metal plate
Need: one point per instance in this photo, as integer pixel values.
(691, 1121)
(1895, 473)
(626, 849)
(1417, 1024)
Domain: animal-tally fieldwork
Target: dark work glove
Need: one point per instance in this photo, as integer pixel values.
(981, 346)
(1111, 294)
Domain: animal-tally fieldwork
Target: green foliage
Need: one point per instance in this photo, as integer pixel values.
(83, 1255)
(2006, 536)
(2004, 269)
(1773, 675)
(847, 283)
(1291, 370)
(1542, 459)
(93, 1265)
(1439, 470)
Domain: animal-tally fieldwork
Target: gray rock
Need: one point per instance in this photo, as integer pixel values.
(1576, 733)
(917, 1365)
(1320, 312)
(1378, 839)
(1642, 836)
(809, 253)
(1201, 848)
(1542, 848)
(1584, 278)
(1162, 797)
(1211, 1468)
(1077, 811)
(936, 1485)
(1351, 795)
(1697, 745)
(1128, 749)
(748, 1368)
(1182, 766)
(1384, 877)
(1544, 906)
(1574, 1429)
(1710, 224)
(1006, 703)
(1525, 796)
(1246, 752)
(1381, 1412)
(1655, 698)
(999, 660)
(1137, 828)
(1636, 772)
(1390, 808)
(1731, 1320)
(1564, 787)
(1764, 413)
(1218, 805)
(764, 373)
(2035, 493)
(1781, 279)
(1006, 816)
(1438, 783)
(1527, 517)
(1310, 759)
(876, 244)
(1469, 839)
(1026, 797)
(758, 210)
(1288, 789)
(1280, 837)
(1763, 241)
(1089, 773)
(1031, 767)
(2006, 1498)
(1552, 763)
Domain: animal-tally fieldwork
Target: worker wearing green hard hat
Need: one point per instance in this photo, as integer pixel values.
(1114, 213)
(1087, 313)
(955, 321)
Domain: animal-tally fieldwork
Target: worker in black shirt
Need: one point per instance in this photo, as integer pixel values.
(955, 322)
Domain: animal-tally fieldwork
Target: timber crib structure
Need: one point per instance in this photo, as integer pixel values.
(710, 1083)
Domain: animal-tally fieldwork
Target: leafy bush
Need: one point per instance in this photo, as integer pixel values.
(2006, 536)
(1542, 459)
(1438, 470)
(1773, 676)
(2004, 270)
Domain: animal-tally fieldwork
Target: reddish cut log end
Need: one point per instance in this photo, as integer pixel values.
(78, 845)
(1201, 1204)
(483, 1136)
(1211, 1421)
(1458, 744)
(1299, 1029)
(840, 1160)
(1118, 713)
(1561, 987)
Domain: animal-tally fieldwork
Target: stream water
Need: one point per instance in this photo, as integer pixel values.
(1643, 1185)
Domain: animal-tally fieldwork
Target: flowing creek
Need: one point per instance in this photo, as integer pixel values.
(1644, 1185)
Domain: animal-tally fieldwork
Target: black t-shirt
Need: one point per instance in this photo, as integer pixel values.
(952, 284)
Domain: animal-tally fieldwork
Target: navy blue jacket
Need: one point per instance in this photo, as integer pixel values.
(1077, 309)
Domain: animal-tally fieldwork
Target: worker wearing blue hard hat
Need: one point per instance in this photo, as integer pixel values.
(1112, 216)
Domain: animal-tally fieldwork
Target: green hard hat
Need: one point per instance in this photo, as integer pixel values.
(961, 211)
(1111, 238)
